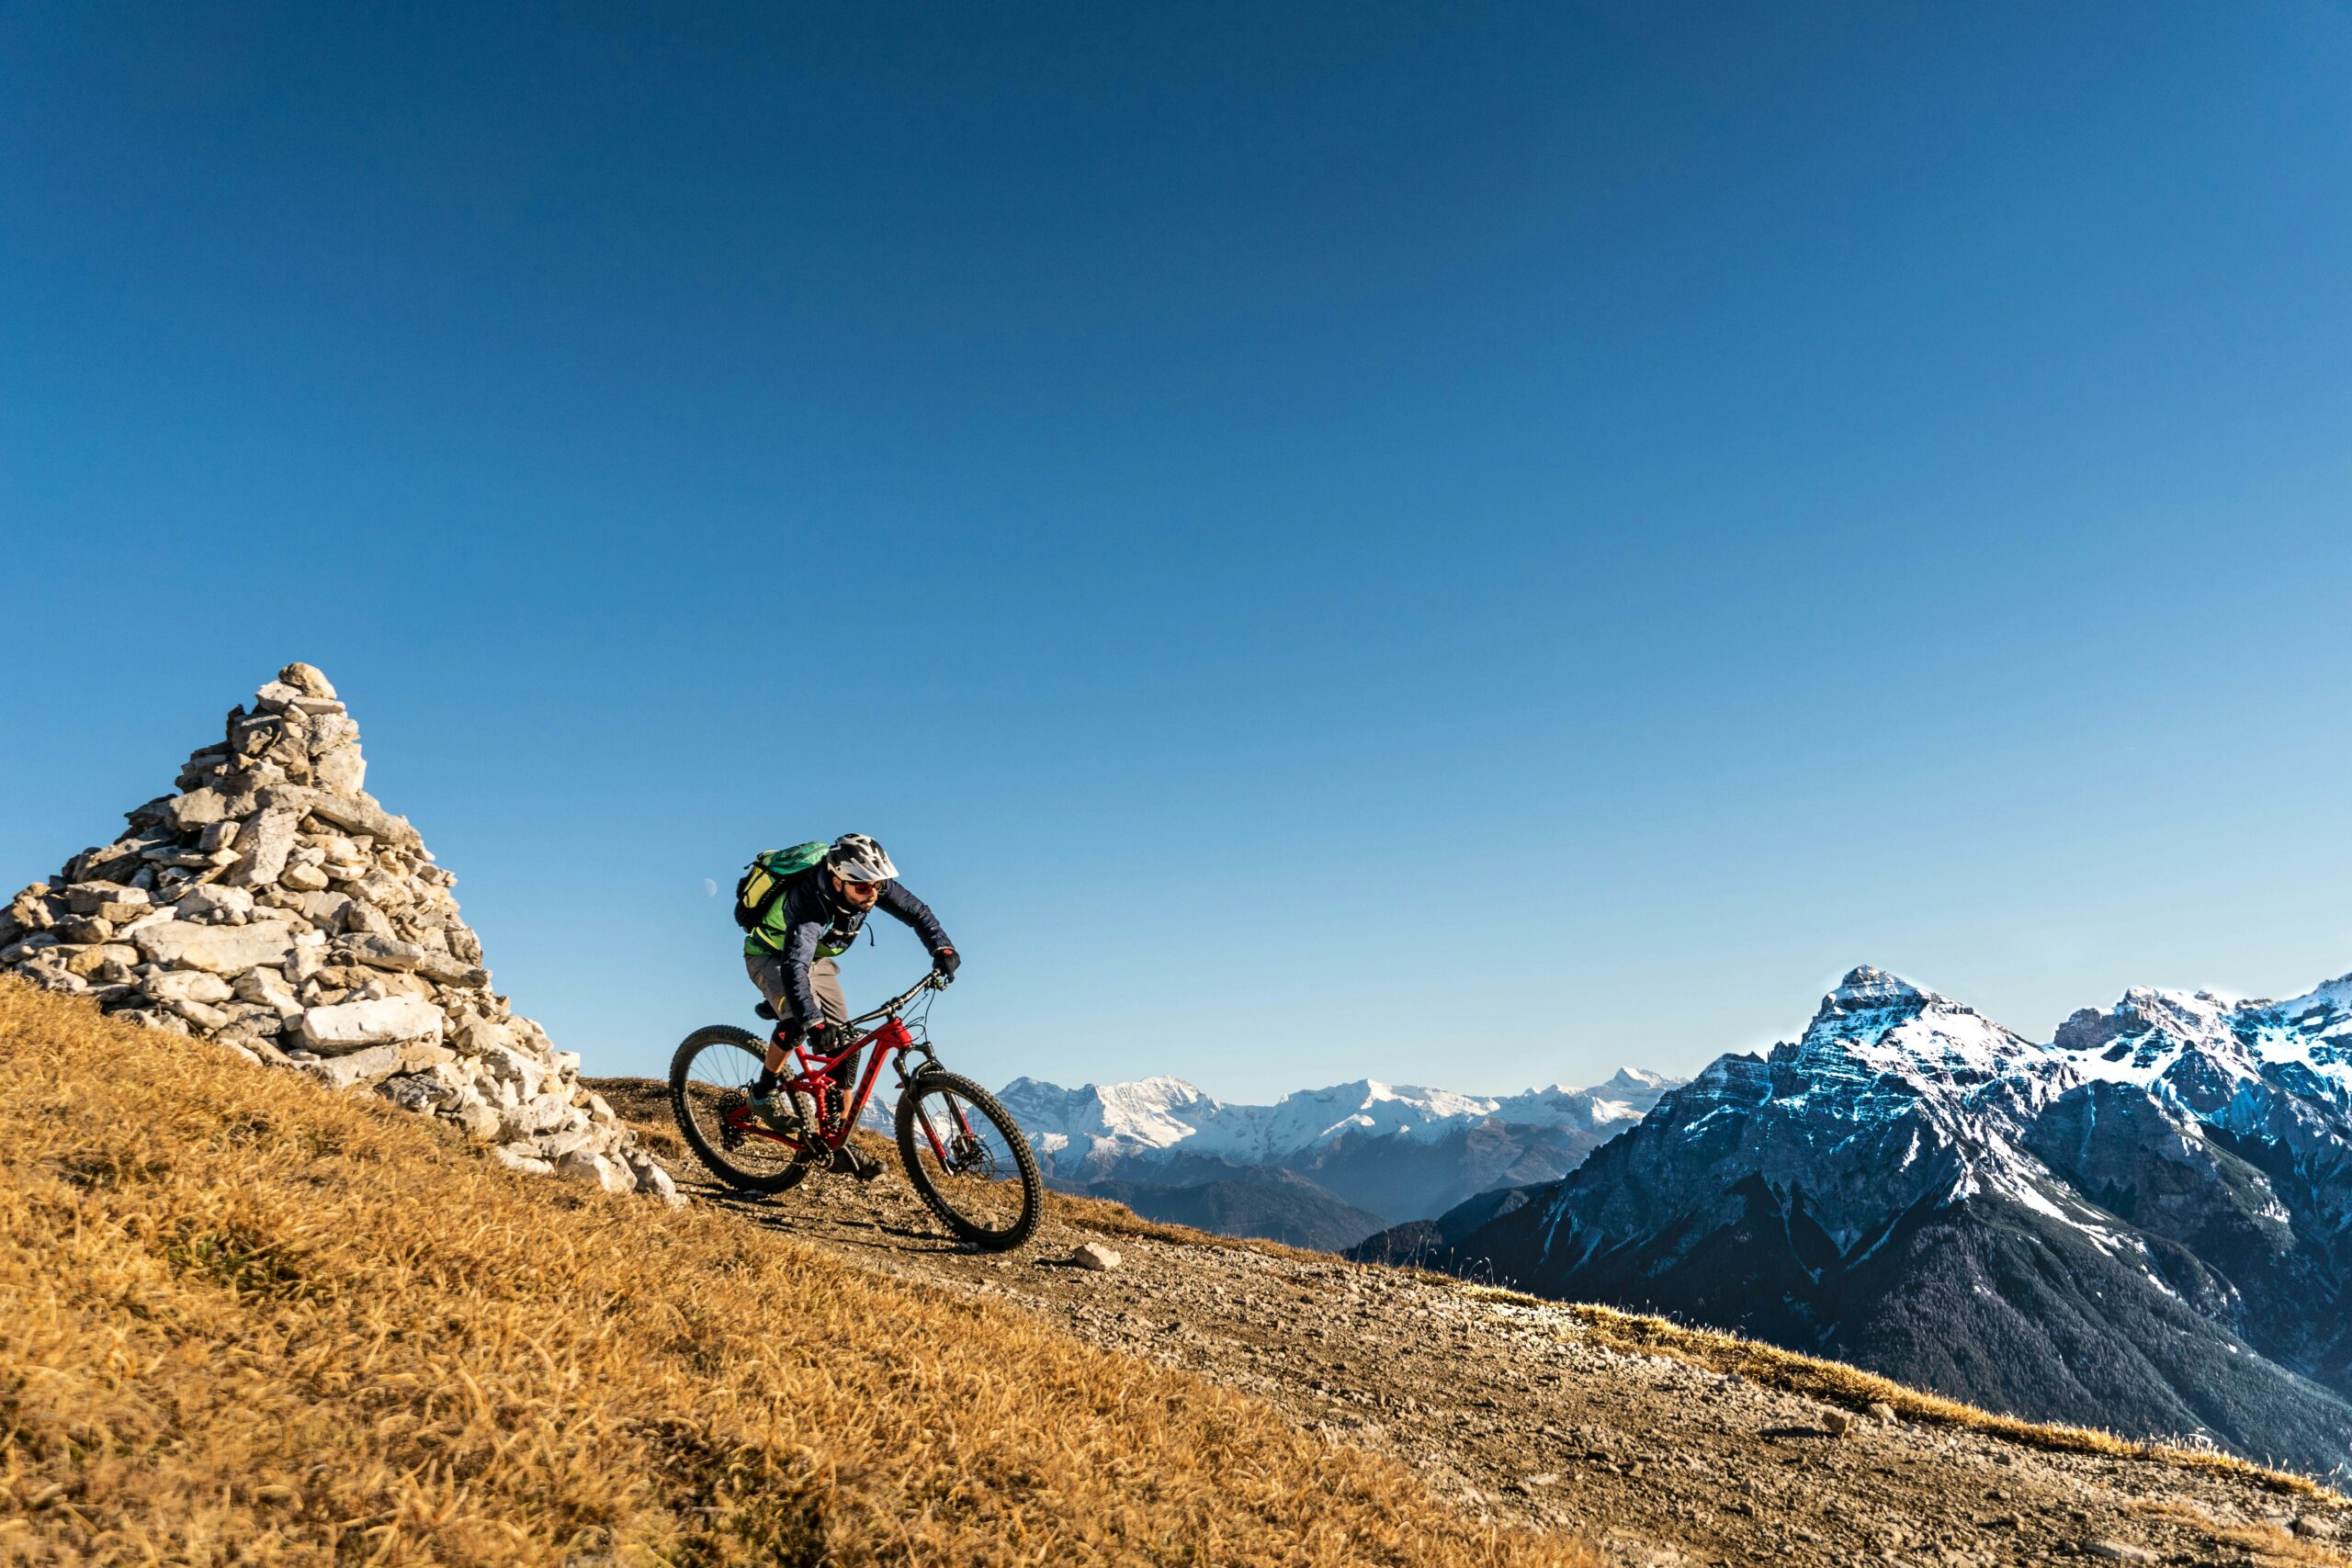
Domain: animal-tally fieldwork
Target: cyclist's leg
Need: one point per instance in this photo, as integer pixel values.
(824, 979)
(767, 972)
(825, 982)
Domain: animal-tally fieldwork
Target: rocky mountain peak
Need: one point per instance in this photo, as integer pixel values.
(2205, 1049)
(1877, 1026)
(2328, 1005)
(2200, 1018)
(1865, 986)
(273, 905)
(1633, 1081)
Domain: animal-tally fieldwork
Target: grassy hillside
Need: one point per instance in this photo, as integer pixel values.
(247, 1318)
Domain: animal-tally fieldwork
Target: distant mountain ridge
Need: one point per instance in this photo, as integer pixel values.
(2145, 1224)
(1335, 1163)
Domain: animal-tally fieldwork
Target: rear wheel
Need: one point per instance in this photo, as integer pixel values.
(968, 1160)
(710, 1086)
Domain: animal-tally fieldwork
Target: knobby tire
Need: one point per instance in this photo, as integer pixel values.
(720, 1041)
(941, 1191)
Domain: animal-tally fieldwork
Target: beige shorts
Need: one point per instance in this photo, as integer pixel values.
(824, 981)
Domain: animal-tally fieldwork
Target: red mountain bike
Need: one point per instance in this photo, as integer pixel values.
(963, 1151)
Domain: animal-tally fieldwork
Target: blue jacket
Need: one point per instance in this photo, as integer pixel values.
(808, 923)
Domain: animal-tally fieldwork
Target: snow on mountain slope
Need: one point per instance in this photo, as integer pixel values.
(1150, 1114)
(1365, 1153)
(2146, 1224)
(2202, 1048)
(1096, 1124)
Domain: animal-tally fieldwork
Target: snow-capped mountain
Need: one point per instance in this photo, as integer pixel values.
(1076, 1128)
(1382, 1152)
(2146, 1224)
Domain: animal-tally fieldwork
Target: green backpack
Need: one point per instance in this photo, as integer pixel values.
(762, 882)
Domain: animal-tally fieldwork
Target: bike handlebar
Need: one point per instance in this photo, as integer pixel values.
(931, 982)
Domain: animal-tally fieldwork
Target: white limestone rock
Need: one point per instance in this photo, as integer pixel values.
(269, 988)
(362, 917)
(342, 770)
(309, 680)
(211, 902)
(198, 807)
(583, 1165)
(540, 1114)
(324, 910)
(184, 986)
(346, 1026)
(357, 812)
(274, 696)
(202, 1014)
(1093, 1255)
(379, 951)
(506, 1063)
(651, 1180)
(479, 1122)
(98, 898)
(222, 950)
(355, 1069)
(262, 847)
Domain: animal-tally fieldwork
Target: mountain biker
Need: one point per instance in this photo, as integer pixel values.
(790, 956)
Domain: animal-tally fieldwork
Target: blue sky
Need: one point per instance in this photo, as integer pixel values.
(1462, 546)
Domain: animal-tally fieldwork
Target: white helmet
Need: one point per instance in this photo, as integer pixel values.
(856, 857)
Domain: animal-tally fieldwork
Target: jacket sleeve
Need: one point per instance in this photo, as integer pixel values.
(799, 951)
(906, 907)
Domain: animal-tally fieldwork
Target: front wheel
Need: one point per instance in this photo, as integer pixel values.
(966, 1157)
(710, 1080)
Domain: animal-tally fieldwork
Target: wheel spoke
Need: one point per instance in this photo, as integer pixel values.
(710, 1089)
(966, 1162)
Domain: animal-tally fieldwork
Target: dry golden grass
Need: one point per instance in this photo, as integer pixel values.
(1834, 1382)
(2265, 1543)
(248, 1320)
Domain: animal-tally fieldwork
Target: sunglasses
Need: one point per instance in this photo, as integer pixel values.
(857, 887)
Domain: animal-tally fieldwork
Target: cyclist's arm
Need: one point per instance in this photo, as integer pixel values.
(906, 907)
(800, 950)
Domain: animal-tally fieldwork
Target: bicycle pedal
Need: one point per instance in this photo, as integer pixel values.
(849, 1161)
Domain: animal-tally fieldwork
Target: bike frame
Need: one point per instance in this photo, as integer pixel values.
(890, 1038)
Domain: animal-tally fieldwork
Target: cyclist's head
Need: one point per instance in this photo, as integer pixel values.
(859, 868)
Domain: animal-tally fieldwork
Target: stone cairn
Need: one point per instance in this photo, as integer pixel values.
(273, 906)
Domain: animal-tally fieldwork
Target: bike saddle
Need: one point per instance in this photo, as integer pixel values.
(764, 1010)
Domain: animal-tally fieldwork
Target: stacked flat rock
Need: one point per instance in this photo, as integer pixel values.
(273, 906)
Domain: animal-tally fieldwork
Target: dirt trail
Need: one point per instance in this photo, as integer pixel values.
(1520, 1413)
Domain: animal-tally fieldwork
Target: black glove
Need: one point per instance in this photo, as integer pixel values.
(946, 961)
(818, 1038)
